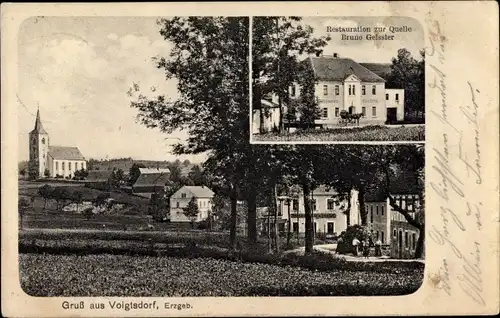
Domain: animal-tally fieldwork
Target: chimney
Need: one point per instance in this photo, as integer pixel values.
(335, 55)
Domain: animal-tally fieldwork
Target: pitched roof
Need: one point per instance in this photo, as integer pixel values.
(99, 175)
(65, 153)
(152, 179)
(329, 68)
(381, 69)
(199, 191)
(38, 125)
(154, 170)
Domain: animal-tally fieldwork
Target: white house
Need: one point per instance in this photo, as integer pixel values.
(330, 211)
(58, 161)
(180, 199)
(269, 119)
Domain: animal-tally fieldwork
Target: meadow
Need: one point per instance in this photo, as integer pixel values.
(368, 133)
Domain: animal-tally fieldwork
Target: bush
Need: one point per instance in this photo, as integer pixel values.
(354, 231)
(88, 213)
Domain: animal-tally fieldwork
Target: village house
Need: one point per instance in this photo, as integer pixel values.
(56, 160)
(151, 180)
(346, 85)
(330, 211)
(270, 116)
(180, 199)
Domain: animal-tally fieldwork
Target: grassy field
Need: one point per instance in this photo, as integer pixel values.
(119, 275)
(369, 133)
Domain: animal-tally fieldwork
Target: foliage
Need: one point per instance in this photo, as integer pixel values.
(22, 206)
(77, 197)
(45, 192)
(308, 106)
(88, 213)
(409, 73)
(367, 133)
(81, 174)
(46, 173)
(101, 199)
(191, 211)
(196, 175)
(354, 231)
(102, 275)
(158, 206)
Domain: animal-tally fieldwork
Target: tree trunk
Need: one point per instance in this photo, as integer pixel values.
(252, 217)
(308, 218)
(269, 247)
(289, 229)
(362, 209)
(419, 250)
(234, 213)
(348, 213)
(276, 229)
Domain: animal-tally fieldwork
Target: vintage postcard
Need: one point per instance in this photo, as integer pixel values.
(347, 79)
(250, 159)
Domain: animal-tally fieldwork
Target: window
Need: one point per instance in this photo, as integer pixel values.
(329, 204)
(374, 111)
(363, 111)
(376, 209)
(325, 90)
(313, 204)
(295, 204)
(414, 243)
(337, 112)
(386, 96)
(394, 233)
(382, 237)
(57, 165)
(377, 235)
(43, 141)
(354, 89)
(315, 227)
(374, 90)
(325, 113)
(330, 227)
(337, 91)
(382, 210)
(371, 216)
(293, 90)
(62, 165)
(177, 204)
(406, 239)
(295, 227)
(363, 89)
(183, 195)
(69, 166)
(397, 98)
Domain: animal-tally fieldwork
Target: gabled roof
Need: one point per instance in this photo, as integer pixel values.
(198, 191)
(154, 170)
(99, 175)
(152, 179)
(38, 125)
(329, 68)
(65, 153)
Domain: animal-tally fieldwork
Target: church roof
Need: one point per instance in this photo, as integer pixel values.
(337, 69)
(65, 153)
(38, 125)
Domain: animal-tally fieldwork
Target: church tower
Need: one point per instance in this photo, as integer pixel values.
(39, 148)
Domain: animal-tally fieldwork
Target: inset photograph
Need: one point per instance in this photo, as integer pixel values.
(337, 79)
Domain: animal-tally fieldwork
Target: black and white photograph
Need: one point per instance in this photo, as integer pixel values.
(331, 79)
(163, 195)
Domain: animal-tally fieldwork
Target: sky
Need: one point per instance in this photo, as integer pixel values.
(78, 71)
(369, 51)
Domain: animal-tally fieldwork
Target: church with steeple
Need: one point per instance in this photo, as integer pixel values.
(51, 161)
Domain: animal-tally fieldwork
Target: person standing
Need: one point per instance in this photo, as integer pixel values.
(355, 244)
(378, 248)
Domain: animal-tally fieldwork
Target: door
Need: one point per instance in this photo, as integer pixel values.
(330, 228)
(391, 115)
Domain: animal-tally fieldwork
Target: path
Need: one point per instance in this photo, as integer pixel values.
(330, 249)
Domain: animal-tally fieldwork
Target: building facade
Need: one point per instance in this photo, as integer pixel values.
(51, 161)
(180, 200)
(345, 85)
(330, 211)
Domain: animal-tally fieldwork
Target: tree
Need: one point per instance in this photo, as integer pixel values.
(46, 173)
(134, 172)
(196, 175)
(207, 52)
(22, 206)
(45, 192)
(101, 199)
(307, 104)
(22, 172)
(191, 211)
(77, 198)
(409, 74)
(116, 178)
(186, 163)
(158, 206)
